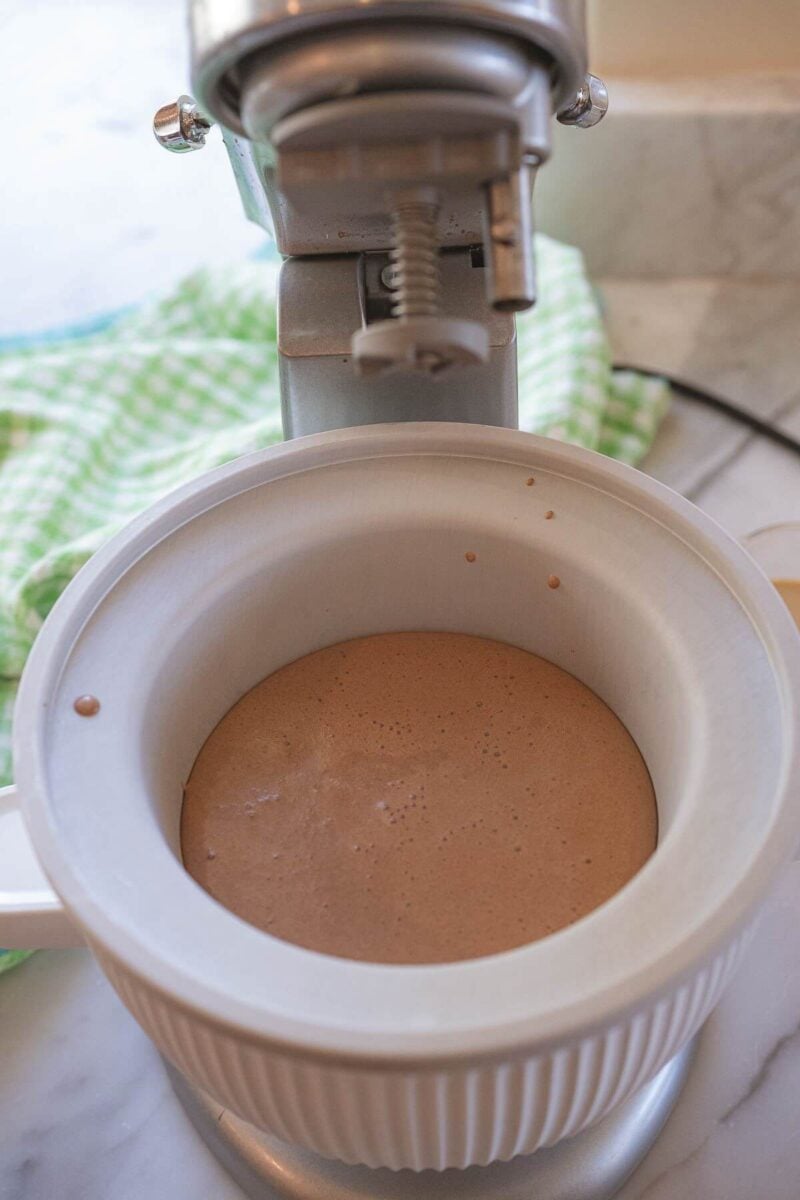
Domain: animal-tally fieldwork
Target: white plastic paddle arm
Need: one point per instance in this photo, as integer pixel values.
(31, 916)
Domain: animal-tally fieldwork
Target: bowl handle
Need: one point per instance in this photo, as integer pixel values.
(31, 915)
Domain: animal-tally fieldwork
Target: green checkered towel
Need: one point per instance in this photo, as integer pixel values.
(10, 958)
(95, 428)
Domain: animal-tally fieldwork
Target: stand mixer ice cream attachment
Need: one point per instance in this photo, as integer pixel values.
(391, 147)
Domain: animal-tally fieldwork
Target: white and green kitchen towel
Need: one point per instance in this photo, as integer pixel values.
(93, 428)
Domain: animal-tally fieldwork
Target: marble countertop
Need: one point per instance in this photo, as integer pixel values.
(95, 217)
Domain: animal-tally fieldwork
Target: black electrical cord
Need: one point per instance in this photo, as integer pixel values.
(712, 401)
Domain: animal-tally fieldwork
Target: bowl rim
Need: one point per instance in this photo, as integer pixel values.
(423, 1045)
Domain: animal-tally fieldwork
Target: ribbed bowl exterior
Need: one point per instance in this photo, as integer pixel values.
(463, 1114)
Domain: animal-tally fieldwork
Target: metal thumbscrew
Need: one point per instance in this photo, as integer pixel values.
(415, 258)
(418, 336)
(589, 106)
(180, 126)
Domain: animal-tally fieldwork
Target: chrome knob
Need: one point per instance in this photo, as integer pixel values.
(589, 106)
(180, 126)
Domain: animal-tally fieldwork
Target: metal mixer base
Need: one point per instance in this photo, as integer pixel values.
(592, 1166)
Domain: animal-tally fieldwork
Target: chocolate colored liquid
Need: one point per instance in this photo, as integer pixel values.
(415, 798)
(790, 593)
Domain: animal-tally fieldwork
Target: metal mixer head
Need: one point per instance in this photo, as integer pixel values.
(402, 127)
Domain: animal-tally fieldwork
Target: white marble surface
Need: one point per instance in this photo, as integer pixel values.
(738, 337)
(93, 216)
(683, 178)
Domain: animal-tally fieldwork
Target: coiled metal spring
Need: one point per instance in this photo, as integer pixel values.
(415, 257)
